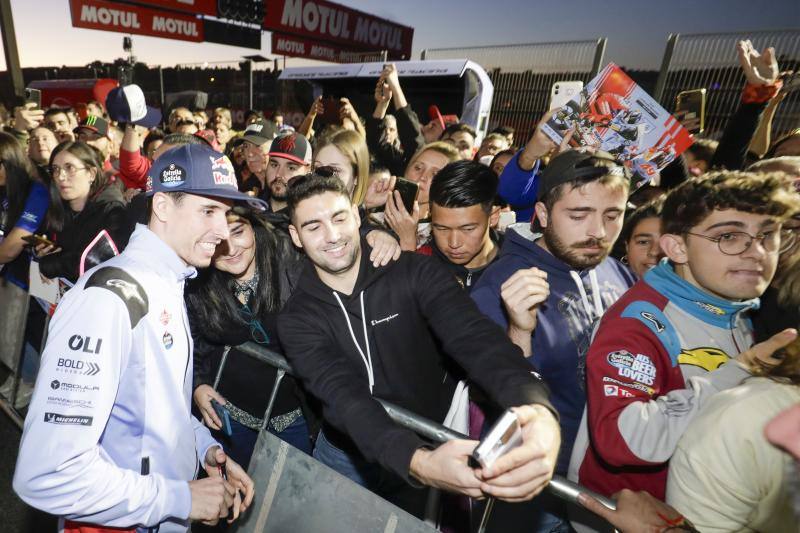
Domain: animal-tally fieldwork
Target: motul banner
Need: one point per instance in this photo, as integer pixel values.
(197, 7)
(325, 21)
(288, 45)
(123, 18)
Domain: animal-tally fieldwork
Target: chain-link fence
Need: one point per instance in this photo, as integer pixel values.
(523, 75)
(710, 61)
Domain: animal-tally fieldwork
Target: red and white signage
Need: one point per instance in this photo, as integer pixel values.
(123, 18)
(326, 21)
(288, 45)
(197, 7)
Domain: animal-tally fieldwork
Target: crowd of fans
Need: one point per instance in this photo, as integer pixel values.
(645, 338)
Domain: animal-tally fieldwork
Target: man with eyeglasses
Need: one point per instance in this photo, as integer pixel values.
(682, 333)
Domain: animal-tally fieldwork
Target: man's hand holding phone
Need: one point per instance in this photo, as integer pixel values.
(518, 475)
(525, 471)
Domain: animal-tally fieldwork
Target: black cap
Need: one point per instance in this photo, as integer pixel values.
(260, 132)
(575, 165)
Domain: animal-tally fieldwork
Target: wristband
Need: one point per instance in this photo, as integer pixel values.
(758, 94)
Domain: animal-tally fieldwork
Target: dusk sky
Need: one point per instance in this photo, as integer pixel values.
(636, 30)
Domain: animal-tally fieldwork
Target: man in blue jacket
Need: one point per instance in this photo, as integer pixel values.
(547, 290)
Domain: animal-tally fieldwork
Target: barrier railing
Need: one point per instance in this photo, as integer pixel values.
(710, 61)
(523, 75)
(559, 486)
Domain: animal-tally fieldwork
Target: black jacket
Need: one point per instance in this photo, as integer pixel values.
(245, 381)
(105, 211)
(411, 140)
(467, 277)
(731, 154)
(409, 304)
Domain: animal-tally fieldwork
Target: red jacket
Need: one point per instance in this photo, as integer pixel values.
(658, 355)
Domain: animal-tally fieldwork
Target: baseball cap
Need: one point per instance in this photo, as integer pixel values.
(292, 146)
(127, 104)
(573, 165)
(197, 169)
(260, 132)
(98, 125)
(443, 120)
(210, 137)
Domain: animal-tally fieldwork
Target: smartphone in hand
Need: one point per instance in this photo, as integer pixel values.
(692, 106)
(34, 96)
(505, 435)
(224, 417)
(408, 192)
(563, 91)
(35, 240)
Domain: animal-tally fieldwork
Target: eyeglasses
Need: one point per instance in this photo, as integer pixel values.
(257, 331)
(738, 242)
(68, 170)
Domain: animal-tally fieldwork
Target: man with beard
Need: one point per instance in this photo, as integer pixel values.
(682, 333)
(58, 121)
(289, 156)
(546, 290)
(355, 332)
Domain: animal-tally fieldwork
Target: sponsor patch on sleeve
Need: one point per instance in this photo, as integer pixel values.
(638, 368)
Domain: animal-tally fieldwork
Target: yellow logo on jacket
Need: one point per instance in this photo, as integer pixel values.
(707, 358)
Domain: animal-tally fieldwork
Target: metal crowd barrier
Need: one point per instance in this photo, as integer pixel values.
(559, 486)
(14, 303)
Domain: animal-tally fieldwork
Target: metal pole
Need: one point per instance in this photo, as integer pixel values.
(250, 82)
(599, 52)
(161, 87)
(665, 62)
(272, 397)
(10, 48)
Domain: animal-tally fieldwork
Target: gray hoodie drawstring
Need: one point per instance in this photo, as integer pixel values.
(368, 358)
(597, 312)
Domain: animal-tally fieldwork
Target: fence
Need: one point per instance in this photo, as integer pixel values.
(523, 75)
(305, 474)
(710, 61)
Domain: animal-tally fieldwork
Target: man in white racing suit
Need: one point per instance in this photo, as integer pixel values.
(109, 438)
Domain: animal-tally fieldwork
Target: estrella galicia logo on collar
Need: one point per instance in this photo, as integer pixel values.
(167, 340)
(172, 176)
(711, 308)
(650, 317)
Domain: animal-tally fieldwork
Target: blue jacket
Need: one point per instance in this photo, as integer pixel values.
(519, 187)
(564, 326)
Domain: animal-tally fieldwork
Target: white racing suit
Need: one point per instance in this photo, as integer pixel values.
(113, 398)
